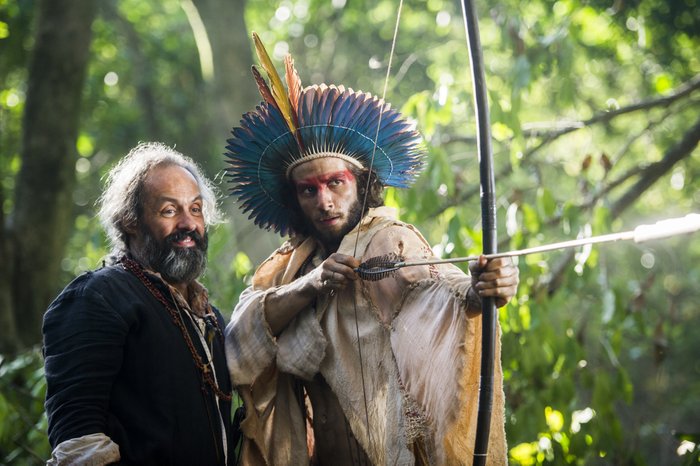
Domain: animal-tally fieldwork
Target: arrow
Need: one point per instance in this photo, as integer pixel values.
(380, 267)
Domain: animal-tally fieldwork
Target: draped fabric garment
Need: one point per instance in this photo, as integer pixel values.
(420, 351)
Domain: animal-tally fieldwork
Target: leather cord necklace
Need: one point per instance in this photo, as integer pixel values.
(207, 375)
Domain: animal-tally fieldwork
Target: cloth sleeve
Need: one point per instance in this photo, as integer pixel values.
(263, 367)
(93, 449)
(428, 319)
(436, 340)
(251, 348)
(83, 348)
(405, 241)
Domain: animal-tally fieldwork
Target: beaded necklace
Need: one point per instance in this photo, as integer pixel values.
(207, 376)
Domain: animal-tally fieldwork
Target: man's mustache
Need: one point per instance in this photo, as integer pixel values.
(180, 235)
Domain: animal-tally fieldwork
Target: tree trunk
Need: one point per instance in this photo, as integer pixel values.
(43, 212)
(9, 339)
(231, 91)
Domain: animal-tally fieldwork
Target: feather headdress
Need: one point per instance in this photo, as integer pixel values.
(292, 127)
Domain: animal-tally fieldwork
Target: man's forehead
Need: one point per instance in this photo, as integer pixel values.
(171, 182)
(320, 168)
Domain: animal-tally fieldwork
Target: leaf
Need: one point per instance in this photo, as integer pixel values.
(546, 202)
(4, 413)
(531, 222)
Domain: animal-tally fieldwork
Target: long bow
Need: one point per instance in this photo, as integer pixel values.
(488, 216)
(488, 223)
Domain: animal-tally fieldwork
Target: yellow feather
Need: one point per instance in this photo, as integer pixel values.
(276, 86)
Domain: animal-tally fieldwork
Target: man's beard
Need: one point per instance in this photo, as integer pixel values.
(332, 240)
(175, 264)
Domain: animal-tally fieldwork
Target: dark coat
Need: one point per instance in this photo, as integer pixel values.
(117, 363)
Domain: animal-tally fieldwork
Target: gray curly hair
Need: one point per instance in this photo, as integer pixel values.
(120, 203)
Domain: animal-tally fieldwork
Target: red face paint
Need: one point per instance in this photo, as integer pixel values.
(327, 194)
(321, 182)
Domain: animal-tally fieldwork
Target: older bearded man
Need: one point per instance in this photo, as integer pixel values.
(134, 355)
(334, 369)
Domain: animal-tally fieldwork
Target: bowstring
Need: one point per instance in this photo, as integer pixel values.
(381, 114)
(364, 206)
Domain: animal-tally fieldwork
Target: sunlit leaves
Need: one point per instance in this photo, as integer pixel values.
(554, 419)
(525, 454)
(594, 26)
(530, 219)
(546, 202)
(85, 145)
(428, 112)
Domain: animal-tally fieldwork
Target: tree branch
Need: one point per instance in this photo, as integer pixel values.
(634, 171)
(648, 177)
(682, 91)
(658, 169)
(43, 197)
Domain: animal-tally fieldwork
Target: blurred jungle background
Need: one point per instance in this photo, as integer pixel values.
(595, 114)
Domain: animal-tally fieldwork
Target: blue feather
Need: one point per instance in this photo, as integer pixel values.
(330, 119)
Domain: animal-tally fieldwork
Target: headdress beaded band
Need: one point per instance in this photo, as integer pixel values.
(294, 126)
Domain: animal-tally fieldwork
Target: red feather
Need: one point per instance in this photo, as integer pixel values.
(264, 89)
(294, 88)
(293, 84)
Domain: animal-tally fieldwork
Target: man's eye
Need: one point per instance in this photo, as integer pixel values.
(167, 212)
(308, 191)
(335, 182)
(196, 210)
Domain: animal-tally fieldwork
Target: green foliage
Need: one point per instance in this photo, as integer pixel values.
(23, 438)
(229, 270)
(15, 18)
(599, 351)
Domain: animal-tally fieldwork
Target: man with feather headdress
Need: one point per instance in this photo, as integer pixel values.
(334, 369)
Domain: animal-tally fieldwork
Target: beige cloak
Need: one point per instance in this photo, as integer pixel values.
(420, 345)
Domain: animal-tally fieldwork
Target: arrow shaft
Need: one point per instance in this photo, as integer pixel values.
(627, 235)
